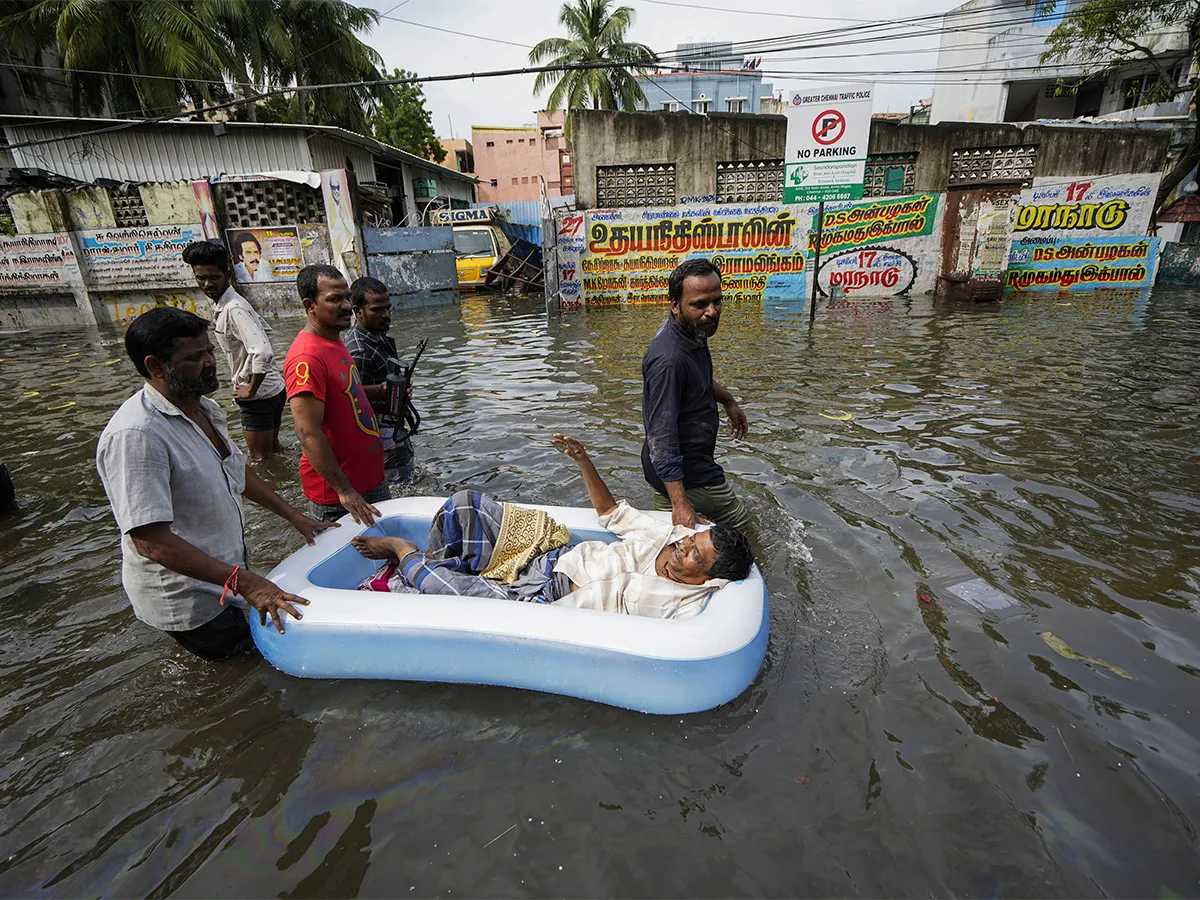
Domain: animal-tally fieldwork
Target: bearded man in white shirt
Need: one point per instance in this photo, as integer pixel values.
(482, 548)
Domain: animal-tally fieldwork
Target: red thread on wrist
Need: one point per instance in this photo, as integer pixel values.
(230, 585)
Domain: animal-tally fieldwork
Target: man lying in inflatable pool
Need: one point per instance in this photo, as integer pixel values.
(482, 548)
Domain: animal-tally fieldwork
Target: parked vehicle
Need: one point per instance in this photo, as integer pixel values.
(478, 242)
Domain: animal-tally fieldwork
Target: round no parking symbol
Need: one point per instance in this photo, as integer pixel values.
(828, 127)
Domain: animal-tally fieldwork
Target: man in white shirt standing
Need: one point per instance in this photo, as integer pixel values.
(246, 339)
(176, 482)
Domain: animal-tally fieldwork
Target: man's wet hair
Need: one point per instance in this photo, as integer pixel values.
(701, 267)
(155, 332)
(246, 237)
(734, 556)
(307, 280)
(362, 287)
(207, 253)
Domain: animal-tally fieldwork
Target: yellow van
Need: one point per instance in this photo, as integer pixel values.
(478, 242)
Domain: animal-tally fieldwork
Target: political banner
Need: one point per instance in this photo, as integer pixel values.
(35, 259)
(623, 256)
(1078, 206)
(265, 254)
(138, 255)
(1072, 264)
(850, 225)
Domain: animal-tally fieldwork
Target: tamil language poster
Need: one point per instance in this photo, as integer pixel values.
(265, 254)
(35, 259)
(880, 247)
(1083, 232)
(138, 255)
(623, 256)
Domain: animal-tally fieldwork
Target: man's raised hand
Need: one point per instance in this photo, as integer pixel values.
(570, 446)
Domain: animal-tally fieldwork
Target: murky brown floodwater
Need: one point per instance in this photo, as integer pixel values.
(890, 746)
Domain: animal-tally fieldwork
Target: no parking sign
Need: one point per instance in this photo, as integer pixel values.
(827, 136)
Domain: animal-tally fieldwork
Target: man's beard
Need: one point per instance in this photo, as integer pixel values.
(697, 332)
(193, 387)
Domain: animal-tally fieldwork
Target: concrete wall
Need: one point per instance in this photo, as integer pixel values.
(169, 203)
(695, 144)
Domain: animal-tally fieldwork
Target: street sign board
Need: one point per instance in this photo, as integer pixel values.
(827, 134)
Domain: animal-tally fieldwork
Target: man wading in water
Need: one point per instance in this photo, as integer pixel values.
(176, 482)
(679, 405)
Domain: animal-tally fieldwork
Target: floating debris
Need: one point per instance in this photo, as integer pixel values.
(63, 383)
(1059, 646)
(842, 416)
(981, 595)
(66, 405)
(28, 394)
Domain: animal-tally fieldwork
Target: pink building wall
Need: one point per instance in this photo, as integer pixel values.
(515, 157)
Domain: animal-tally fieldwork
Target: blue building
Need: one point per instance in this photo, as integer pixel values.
(716, 80)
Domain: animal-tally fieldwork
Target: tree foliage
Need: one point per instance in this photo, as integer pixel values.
(1104, 36)
(150, 57)
(597, 34)
(405, 121)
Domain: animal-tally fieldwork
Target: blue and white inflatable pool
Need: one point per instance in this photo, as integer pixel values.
(665, 666)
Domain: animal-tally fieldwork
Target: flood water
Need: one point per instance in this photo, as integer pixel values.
(1045, 745)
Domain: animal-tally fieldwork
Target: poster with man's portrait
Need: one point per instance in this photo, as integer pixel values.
(265, 254)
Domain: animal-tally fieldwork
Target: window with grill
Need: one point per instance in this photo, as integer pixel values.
(701, 106)
(983, 164)
(491, 143)
(652, 184)
(260, 204)
(735, 104)
(760, 181)
(1151, 87)
(890, 174)
(129, 210)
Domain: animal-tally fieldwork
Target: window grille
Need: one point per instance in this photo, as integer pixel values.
(261, 204)
(760, 181)
(992, 164)
(645, 185)
(129, 210)
(890, 174)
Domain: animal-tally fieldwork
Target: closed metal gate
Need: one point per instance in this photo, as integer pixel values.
(412, 260)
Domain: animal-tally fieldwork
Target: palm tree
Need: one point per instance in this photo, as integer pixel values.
(171, 49)
(325, 48)
(161, 55)
(597, 35)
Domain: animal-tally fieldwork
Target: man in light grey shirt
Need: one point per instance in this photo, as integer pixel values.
(175, 482)
(246, 339)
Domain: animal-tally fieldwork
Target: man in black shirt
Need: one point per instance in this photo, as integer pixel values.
(679, 405)
(370, 347)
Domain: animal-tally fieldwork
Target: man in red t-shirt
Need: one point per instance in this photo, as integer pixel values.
(341, 468)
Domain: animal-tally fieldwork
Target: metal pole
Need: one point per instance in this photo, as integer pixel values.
(812, 310)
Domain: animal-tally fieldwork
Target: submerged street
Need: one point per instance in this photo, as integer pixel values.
(980, 531)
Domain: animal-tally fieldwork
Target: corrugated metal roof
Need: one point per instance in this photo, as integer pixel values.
(171, 151)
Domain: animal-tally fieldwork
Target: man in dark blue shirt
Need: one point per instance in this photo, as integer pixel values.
(679, 405)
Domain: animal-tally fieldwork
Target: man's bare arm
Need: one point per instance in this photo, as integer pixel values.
(308, 413)
(598, 492)
(158, 543)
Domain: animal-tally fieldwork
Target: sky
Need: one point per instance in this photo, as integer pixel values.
(510, 100)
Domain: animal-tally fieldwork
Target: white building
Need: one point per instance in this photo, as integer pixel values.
(989, 70)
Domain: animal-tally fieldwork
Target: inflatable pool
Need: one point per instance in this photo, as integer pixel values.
(665, 666)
